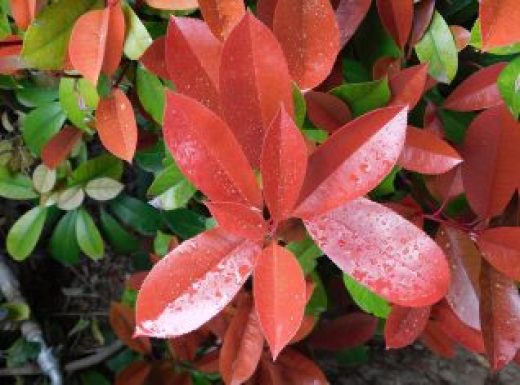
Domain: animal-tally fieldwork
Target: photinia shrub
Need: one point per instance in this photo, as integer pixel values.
(259, 136)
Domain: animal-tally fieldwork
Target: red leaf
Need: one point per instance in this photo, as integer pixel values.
(352, 161)
(193, 283)
(383, 251)
(385, 66)
(238, 219)
(208, 363)
(23, 12)
(408, 85)
(122, 321)
(477, 92)
(115, 38)
(309, 36)
(426, 153)
(222, 15)
(135, 280)
(193, 59)
(58, 148)
(344, 332)
(500, 316)
(283, 164)
(279, 291)
(501, 247)
(265, 11)
(154, 58)
(397, 16)
(116, 125)
(185, 347)
(349, 15)
(254, 81)
(134, 374)
(409, 209)
(461, 35)
(500, 23)
(422, 16)
(173, 5)
(296, 369)
(243, 345)
(306, 328)
(404, 325)
(437, 341)
(464, 259)
(10, 49)
(326, 111)
(207, 152)
(490, 160)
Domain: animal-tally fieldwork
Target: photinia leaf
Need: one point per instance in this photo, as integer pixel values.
(116, 125)
(344, 332)
(254, 81)
(239, 219)
(207, 152)
(422, 16)
(173, 5)
(437, 48)
(349, 15)
(385, 66)
(461, 35)
(25, 233)
(477, 92)
(115, 38)
(154, 58)
(78, 99)
(122, 321)
(279, 290)
(134, 374)
(309, 36)
(102, 166)
(283, 164)
(501, 248)
(192, 60)
(366, 299)
(242, 346)
(150, 91)
(408, 86)
(121, 240)
(507, 86)
(383, 251)
(17, 186)
(137, 38)
(41, 124)
(397, 16)
(500, 23)
(136, 214)
(404, 325)
(265, 11)
(500, 316)
(490, 159)
(364, 97)
(294, 369)
(426, 153)
(23, 12)
(63, 244)
(59, 147)
(353, 161)
(87, 234)
(222, 15)
(326, 111)
(44, 179)
(193, 283)
(437, 341)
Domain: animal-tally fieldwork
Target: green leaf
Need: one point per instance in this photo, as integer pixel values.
(103, 189)
(172, 189)
(150, 91)
(185, 223)
(87, 234)
(25, 233)
(455, 124)
(364, 97)
(121, 240)
(137, 37)
(476, 41)
(46, 40)
(43, 178)
(63, 244)
(318, 302)
(36, 96)
(5, 27)
(307, 253)
(300, 107)
(78, 98)
(437, 48)
(15, 186)
(22, 352)
(151, 158)
(137, 215)
(41, 124)
(355, 72)
(71, 198)
(161, 243)
(387, 186)
(93, 378)
(366, 299)
(106, 166)
(509, 86)
(17, 311)
(316, 135)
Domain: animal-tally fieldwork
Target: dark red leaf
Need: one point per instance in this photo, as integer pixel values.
(59, 147)
(222, 15)
(265, 11)
(500, 316)
(135, 280)
(239, 219)
(437, 341)
(404, 325)
(425, 153)
(349, 15)
(383, 251)
(279, 291)
(122, 321)
(500, 23)
(326, 111)
(154, 58)
(408, 85)
(409, 209)
(208, 153)
(208, 363)
(134, 374)
(397, 16)
(193, 283)
(345, 332)
(491, 160)
(254, 82)
(477, 92)
(296, 369)
(352, 161)
(422, 16)
(386, 66)
(193, 59)
(501, 247)
(283, 164)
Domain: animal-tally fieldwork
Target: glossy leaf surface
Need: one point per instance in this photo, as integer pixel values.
(238, 219)
(404, 325)
(501, 247)
(154, 58)
(349, 15)
(397, 16)
(58, 148)
(408, 86)
(222, 15)
(500, 23)
(326, 111)
(507, 85)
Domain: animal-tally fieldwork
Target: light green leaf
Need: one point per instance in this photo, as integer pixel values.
(15, 186)
(161, 243)
(44, 178)
(41, 124)
(106, 166)
(121, 240)
(175, 197)
(307, 253)
(150, 91)
(46, 40)
(366, 299)
(25, 233)
(137, 37)
(437, 48)
(364, 97)
(63, 244)
(78, 98)
(17, 311)
(103, 189)
(88, 236)
(509, 86)
(71, 198)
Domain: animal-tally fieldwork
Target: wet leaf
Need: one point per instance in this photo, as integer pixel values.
(154, 58)
(222, 15)
(501, 247)
(59, 147)
(396, 16)
(404, 325)
(326, 111)
(500, 22)
(25, 233)
(122, 321)
(238, 219)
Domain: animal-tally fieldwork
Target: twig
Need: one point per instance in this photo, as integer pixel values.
(31, 330)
